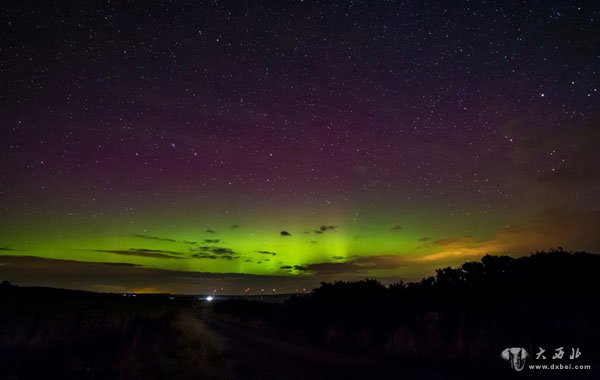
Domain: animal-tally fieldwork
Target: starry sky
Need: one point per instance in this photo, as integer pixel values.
(183, 146)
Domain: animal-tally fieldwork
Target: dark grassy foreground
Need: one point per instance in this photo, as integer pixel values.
(452, 325)
(456, 323)
(59, 334)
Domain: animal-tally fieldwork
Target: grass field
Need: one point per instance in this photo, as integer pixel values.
(56, 334)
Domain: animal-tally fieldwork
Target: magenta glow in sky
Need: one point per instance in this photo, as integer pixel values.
(168, 147)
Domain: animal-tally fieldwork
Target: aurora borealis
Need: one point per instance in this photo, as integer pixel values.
(186, 146)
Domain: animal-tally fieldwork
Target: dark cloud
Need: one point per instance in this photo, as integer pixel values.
(143, 252)
(330, 268)
(6, 248)
(397, 228)
(424, 239)
(285, 233)
(123, 277)
(211, 241)
(235, 226)
(210, 231)
(159, 251)
(221, 250)
(382, 262)
(214, 257)
(357, 266)
(206, 249)
(190, 242)
(142, 236)
(267, 253)
(122, 264)
(204, 256)
(324, 229)
(314, 242)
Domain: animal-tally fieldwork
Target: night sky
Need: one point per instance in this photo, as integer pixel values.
(192, 145)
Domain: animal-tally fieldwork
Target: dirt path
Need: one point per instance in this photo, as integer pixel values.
(257, 357)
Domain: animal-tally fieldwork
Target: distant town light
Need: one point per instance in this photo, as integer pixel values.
(209, 298)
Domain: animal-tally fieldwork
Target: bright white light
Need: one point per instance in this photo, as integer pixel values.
(209, 298)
